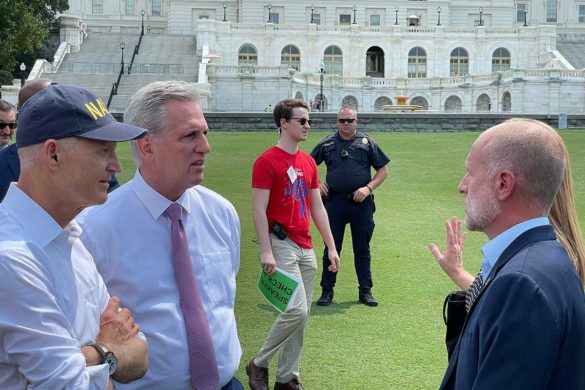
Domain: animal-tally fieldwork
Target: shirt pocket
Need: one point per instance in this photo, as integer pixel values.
(219, 276)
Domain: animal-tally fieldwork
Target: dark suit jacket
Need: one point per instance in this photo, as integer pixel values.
(526, 330)
(10, 170)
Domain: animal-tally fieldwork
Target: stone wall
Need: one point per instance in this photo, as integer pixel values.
(372, 122)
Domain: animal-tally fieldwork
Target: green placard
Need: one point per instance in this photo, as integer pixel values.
(279, 289)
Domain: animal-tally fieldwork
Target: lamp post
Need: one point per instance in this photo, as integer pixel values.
(312, 12)
(321, 74)
(142, 21)
(269, 11)
(396, 11)
(224, 10)
(22, 69)
(438, 16)
(148, 29)
(525, 12)
(354, 10)
(122, 47)
(481, 16)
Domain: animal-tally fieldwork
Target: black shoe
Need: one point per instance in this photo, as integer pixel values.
(366, 298)
(258, 376)
(326, 298)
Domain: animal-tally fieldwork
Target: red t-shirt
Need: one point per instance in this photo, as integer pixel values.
(289, 177)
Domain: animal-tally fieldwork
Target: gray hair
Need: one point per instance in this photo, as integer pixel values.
(147, 107)
(530, 151)
(28, 154)
(6, 106)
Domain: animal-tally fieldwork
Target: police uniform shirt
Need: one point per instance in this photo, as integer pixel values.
(349, 162)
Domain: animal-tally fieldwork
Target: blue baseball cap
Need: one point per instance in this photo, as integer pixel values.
(61, 111)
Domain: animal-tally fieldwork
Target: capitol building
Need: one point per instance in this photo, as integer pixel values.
(517, 56)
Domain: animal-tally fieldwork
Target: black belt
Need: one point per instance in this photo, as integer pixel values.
(342, 195)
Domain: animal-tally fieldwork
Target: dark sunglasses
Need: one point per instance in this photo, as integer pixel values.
(344, 120)
(12, 125)
(303, 121)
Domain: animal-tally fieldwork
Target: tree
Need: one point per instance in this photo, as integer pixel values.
(24, 25)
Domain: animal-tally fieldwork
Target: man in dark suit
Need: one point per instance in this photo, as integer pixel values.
(526, 324)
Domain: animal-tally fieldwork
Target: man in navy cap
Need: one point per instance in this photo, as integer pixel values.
(60, 329)
(9, 162)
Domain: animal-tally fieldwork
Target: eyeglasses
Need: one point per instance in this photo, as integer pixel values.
(303, 121)
(12, 125)
(346, 120)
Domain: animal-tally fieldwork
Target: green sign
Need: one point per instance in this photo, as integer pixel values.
(279, 289)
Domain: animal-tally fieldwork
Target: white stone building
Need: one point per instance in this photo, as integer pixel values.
(468, 56)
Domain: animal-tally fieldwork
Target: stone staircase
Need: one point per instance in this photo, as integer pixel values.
(574, 52)
(97, 64)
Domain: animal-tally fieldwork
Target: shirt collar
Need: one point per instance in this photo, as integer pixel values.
(494, 249)
(155, 203)
(38, 226)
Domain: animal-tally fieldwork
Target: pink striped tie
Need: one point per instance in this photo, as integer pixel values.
(204, 375)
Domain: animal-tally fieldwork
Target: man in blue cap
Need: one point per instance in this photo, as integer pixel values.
(60, 328)
(9, 162)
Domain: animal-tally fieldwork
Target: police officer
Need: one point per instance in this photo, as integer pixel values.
(348, 193)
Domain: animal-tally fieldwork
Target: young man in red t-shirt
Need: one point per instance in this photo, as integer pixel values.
(285, 192)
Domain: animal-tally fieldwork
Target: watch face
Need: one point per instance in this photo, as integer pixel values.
(112, 361)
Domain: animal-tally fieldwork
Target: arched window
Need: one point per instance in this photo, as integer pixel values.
(247, 55)
(333, 60)
(381, 102)
(299, 95)
(501, 60)
(484, 103)
(291, 57)
(506, 102)
(417, 63)
(420, 101)
(453, 103)
(375, 62)
(459, 62)
(350, 101)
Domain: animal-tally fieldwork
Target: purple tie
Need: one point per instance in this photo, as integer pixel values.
(204, 375)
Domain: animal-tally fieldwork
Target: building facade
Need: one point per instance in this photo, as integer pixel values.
(489, 56)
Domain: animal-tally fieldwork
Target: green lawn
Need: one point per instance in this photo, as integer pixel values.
(399, 344)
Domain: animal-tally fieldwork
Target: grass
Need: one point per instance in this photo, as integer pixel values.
(398, 345)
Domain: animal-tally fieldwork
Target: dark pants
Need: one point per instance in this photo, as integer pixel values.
(360, 216)
(233, 384)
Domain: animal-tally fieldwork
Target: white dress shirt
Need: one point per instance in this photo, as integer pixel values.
(51, 297)
(130, 240)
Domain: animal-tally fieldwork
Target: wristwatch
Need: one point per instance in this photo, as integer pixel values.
(108, 356)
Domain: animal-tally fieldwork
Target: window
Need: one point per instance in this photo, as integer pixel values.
(247, 55)
(333, 60)
(453, 103)
(291, 57)
(417, 63)
(156, 7)
(520, 8)
(344, 19)
(582, 14)
(317, 18)
(97, 7)
(203, 17)
(501, 60)
(459, 62)
(129, 7)
(374, 20)
(273, 17)
(551, 10)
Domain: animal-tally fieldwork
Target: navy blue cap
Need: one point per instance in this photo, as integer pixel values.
(61, 111)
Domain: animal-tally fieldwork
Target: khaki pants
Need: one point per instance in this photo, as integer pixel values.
(286, 335)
